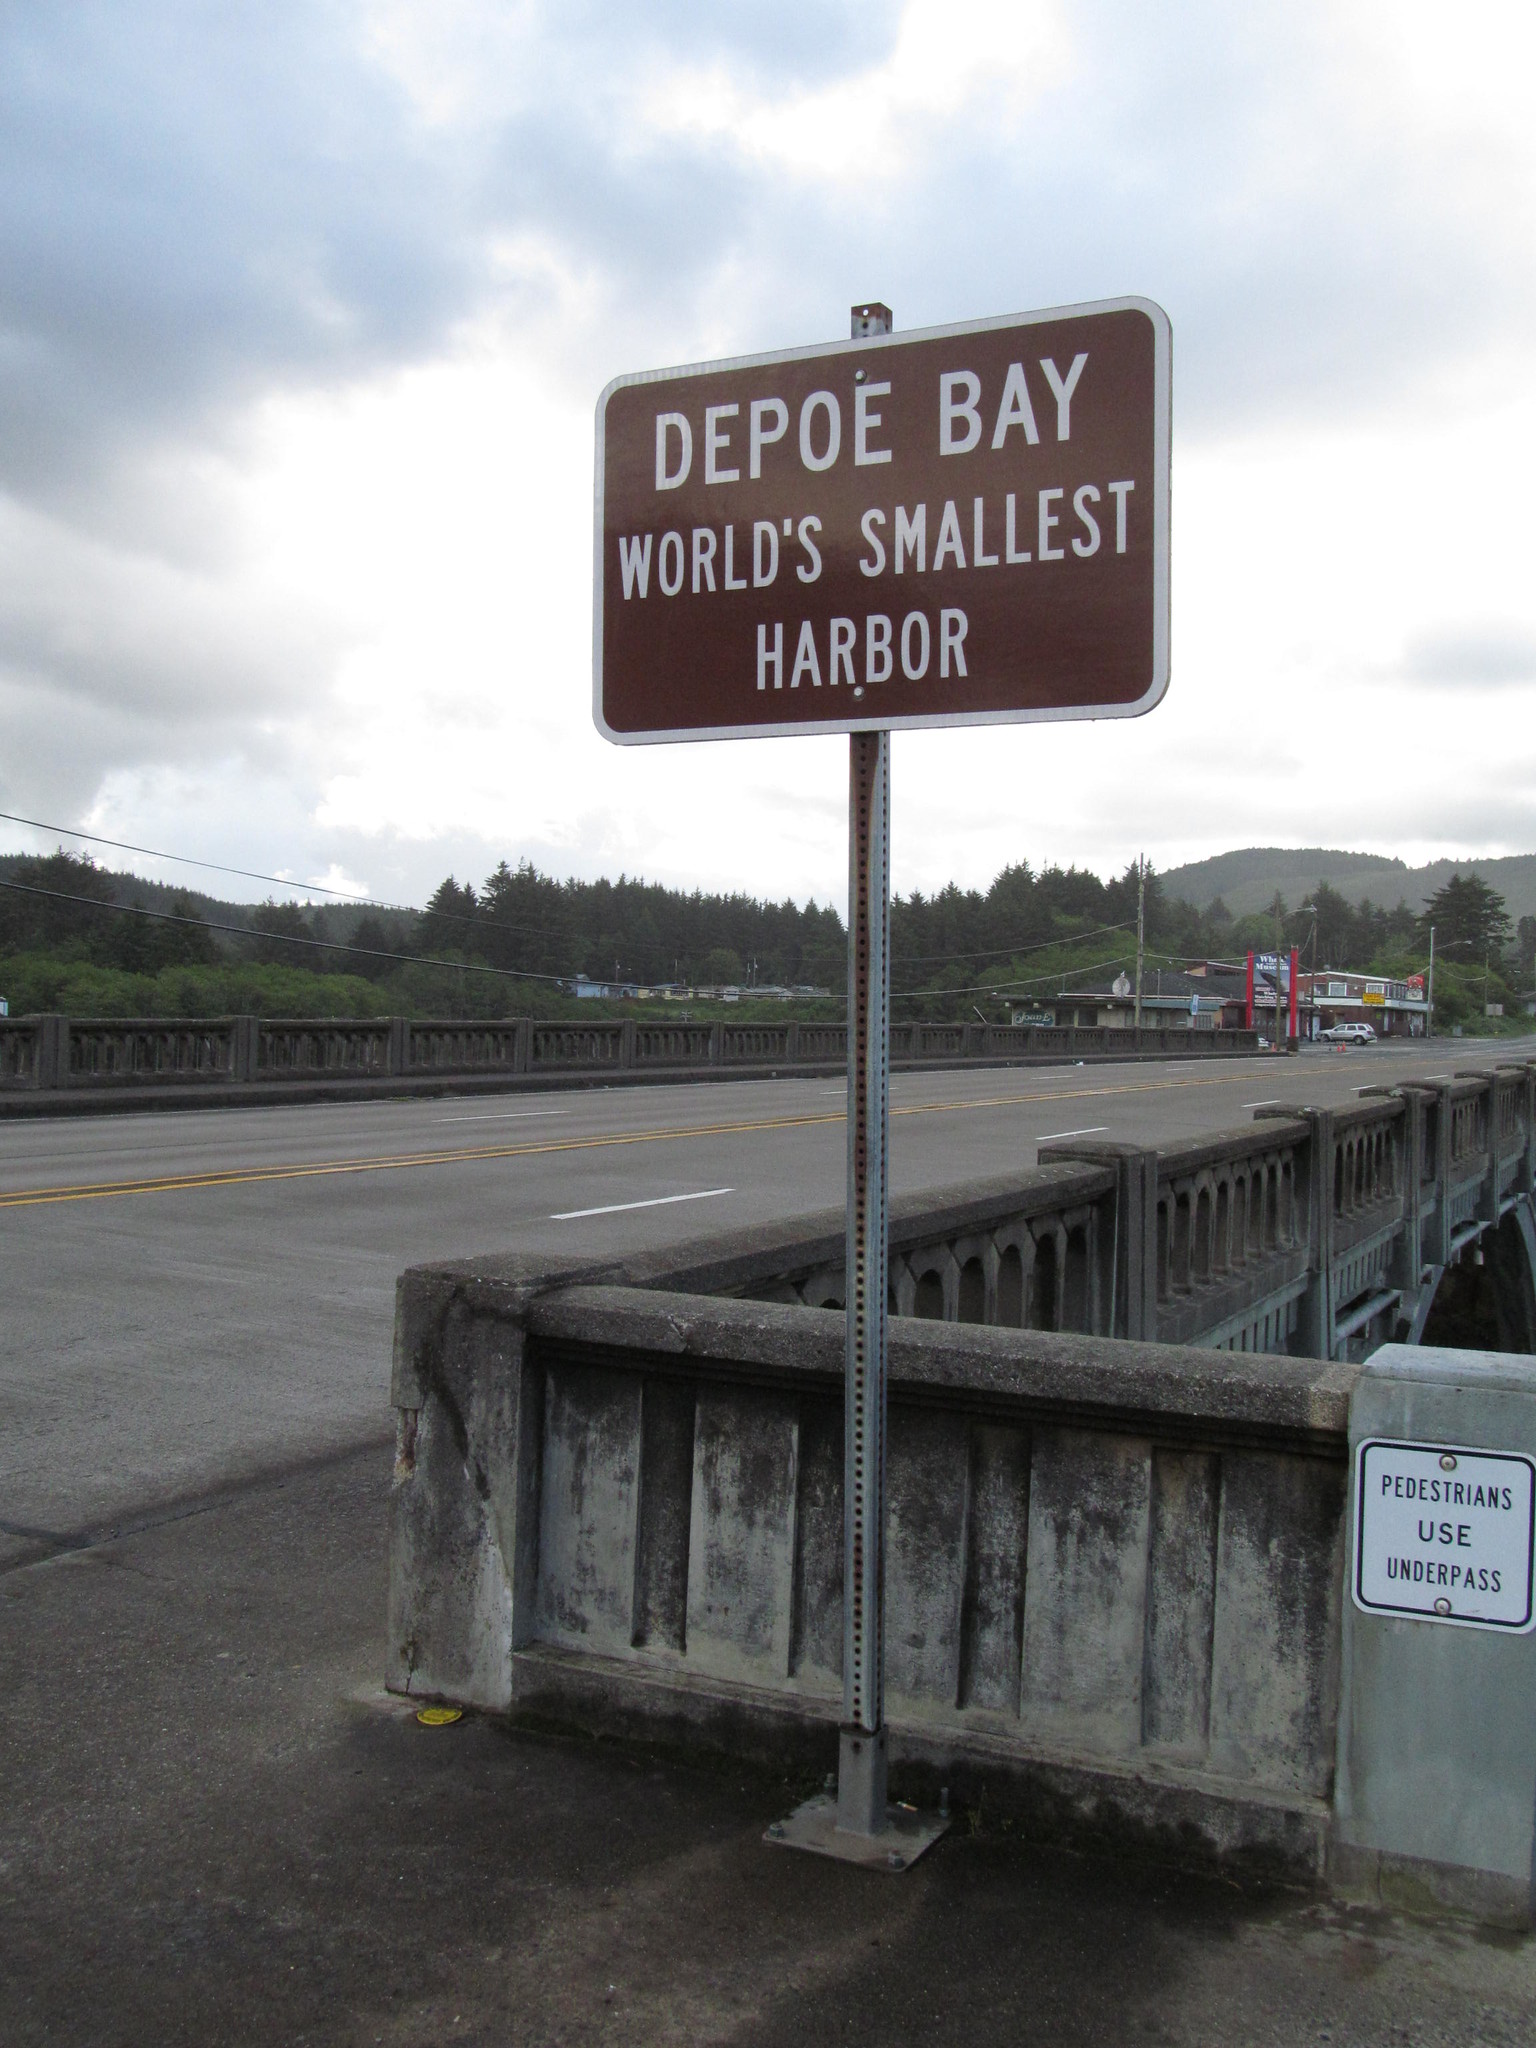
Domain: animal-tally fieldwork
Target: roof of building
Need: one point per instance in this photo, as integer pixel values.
(1164, 984)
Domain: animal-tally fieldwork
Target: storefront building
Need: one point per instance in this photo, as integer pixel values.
(1393, 1009)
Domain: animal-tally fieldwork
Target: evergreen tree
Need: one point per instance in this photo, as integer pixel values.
(1468, 914)
(448, 927)
(285, 922)
(370, 935)
(144, 945)
(50, 919)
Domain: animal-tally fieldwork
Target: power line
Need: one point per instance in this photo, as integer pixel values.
(485, 920)
(1011, 952)
(213, 866)
(250, 931)
(997, 988)
(282, 882)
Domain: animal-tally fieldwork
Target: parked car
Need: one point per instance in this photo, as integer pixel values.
(1349, 1034)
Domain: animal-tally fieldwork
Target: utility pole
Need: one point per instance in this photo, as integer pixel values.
(1141, 927)
(1312, 987)
(1279, 943)
(1429, 1022)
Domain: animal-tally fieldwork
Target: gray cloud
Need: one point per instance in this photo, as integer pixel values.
(1308, 264)
(1478, 657)
(195, 208)
(191, 209)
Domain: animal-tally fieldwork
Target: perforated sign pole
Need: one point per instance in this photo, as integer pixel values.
(861, 1804)
(861, 1792)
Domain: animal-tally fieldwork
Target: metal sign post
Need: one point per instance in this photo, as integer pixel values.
(861, 1802)
(860, 1826)
(861, 1807)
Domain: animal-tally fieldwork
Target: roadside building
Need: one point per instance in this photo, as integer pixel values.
(1208, 998)
(1393, 1009)
(606, 991)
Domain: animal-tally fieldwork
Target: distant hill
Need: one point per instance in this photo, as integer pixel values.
(329, 920)
(1247, 881)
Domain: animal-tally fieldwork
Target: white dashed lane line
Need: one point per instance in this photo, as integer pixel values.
(655, 1202)
(501, 1116)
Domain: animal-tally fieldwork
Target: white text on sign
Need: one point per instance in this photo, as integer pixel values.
(1445, 1534)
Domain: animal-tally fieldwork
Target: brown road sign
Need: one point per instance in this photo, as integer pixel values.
(955, 526)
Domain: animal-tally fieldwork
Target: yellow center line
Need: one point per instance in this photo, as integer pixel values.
(23, 1198)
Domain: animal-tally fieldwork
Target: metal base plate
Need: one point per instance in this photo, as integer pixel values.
(906, 1834)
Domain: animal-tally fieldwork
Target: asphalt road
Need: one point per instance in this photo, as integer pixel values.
(190, 1299)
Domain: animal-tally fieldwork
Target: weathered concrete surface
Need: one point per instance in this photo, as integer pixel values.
(1113, 1573)
(211, 1834)
(1282, 1397)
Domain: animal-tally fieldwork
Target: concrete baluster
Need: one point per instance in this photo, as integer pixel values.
(1527, 1179)
(1317, 1303)
(1487, 1101)
(244, 1044)
(1132, 1229)
(399, 1045)
(50, 1066)
(1406, 1268)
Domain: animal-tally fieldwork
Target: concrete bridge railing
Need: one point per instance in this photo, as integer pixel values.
(1114, 1570)
(1316, 1233)
(56, 1052)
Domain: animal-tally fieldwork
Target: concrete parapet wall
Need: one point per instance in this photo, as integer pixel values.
(1114, 1569)
(103, 1055)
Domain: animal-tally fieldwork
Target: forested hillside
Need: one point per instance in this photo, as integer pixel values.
(630, 930)
(1247, 880)
(77, 937)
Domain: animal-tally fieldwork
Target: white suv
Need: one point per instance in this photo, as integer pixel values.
(1349, 1034)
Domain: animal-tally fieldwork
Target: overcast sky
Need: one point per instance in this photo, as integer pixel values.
(304, 310)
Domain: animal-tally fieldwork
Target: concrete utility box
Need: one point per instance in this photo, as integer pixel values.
(1435, 1799)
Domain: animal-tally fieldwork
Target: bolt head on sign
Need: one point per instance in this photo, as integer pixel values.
(955, 526)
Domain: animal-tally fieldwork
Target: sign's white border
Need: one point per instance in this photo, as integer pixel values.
(1357, 1536)
(1161, 451)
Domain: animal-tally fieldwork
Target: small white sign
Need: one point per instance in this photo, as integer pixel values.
(1445, 1534)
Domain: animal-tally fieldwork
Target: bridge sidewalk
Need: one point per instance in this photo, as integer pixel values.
(212, 1829)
